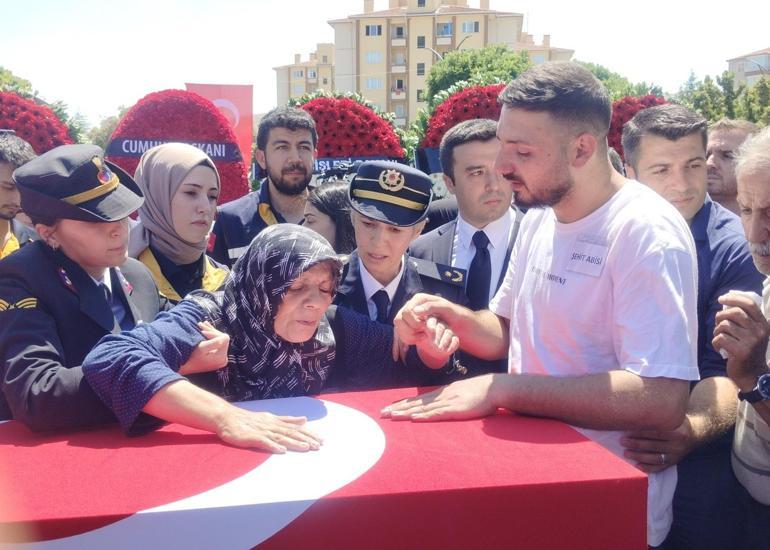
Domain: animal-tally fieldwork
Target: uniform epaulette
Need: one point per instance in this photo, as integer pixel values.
(440, 272)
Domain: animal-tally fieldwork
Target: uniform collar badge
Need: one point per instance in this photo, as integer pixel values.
(65, 279)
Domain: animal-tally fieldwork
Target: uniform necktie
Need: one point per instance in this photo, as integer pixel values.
(381, 302)
(479, 274)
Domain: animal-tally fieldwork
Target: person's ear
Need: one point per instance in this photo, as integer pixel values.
(583, 149)
(46, 233)
(259, 154)
(417, 229)
(450, 185)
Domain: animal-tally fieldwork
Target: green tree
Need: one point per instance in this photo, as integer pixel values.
(709, 100)
(729, 93)
(100, 134)
(619, 86)
(9, 82)
(490, 62)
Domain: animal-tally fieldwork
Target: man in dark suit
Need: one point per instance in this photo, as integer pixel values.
(389, 204)
(61, 294)
(481, 238)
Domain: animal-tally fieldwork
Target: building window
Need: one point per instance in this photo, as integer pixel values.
(325, 59)
(421, 69)
(420, 95)
(373, 30)
(400, 110)
(470, 26)
(325, 80)
(399, 84)
(398, 32)
(373, 57)
(443, 29)
(298, 89)
(420, 3)
(538, 58)
(373, 83)
(420, 41)
(399, 59)
(311, 73)
(298, 74)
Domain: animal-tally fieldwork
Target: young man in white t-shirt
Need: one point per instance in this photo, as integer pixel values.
(600, 293)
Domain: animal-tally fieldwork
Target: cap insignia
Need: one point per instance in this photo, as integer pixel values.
(392, 180)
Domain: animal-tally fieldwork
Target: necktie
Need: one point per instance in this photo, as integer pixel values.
(381, 301)
(479, 274)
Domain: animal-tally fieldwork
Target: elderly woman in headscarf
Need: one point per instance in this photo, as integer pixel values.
(285, 340)
(181, 187)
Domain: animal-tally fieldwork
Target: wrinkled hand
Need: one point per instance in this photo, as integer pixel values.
(262, 430)
(655, 451)
(411, 320)
(436, 344)
(471, 398)
(743, 332)
(210, 354)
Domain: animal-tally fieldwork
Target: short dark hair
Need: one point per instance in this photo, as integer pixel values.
(476, 129)
(290, 118)
(567, 91)
(332, 199)
(14, 150)
(670, 121)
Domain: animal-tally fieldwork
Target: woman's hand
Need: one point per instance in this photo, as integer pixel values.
(277, 434)
(436, 344)
(210, 354)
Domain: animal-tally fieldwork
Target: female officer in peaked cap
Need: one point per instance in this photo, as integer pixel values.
(60, 295)
(390, 202)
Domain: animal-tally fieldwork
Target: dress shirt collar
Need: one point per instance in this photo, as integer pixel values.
(371, 285)
(497, 231)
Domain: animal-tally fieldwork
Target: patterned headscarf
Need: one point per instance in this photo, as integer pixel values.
(263, 365)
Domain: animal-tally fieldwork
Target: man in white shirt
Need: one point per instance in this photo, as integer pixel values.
(602, 274)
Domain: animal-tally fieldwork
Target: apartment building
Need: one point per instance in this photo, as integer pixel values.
(301, 77)
(750, 67)
(386, 55)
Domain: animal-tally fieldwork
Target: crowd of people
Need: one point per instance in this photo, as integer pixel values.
(624, 296)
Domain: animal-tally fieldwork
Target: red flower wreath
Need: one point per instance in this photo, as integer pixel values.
(624, 110)
(473, 102)
(346, 128)
(34, 123)
(178, 115)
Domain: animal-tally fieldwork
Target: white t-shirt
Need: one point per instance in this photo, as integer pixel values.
(614, 290)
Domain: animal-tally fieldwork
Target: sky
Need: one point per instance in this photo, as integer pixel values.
(98, 55)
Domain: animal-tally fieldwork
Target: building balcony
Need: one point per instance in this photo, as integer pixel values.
(444, 40)
(312, 80)
(398, 42)
(401, 68)
(398, 93)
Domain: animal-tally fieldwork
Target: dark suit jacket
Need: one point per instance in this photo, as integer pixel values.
(51, 315)
(436, 246)
(24, 234)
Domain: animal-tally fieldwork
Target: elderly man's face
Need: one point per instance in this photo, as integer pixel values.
(754, 204)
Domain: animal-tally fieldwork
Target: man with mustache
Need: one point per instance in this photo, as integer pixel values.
(603, 270)
(286, 143)
(725, 137)
(665, 149)
(14, 152)
(742, 332)
(481, 238)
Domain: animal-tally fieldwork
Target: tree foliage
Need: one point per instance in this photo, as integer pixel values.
(490, 63)
(619, 86)
(100, 134)
(719, 97)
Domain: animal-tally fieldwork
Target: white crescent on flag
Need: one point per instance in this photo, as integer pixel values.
(251, 508)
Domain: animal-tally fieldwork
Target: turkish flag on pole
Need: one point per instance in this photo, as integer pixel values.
(235, 102)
